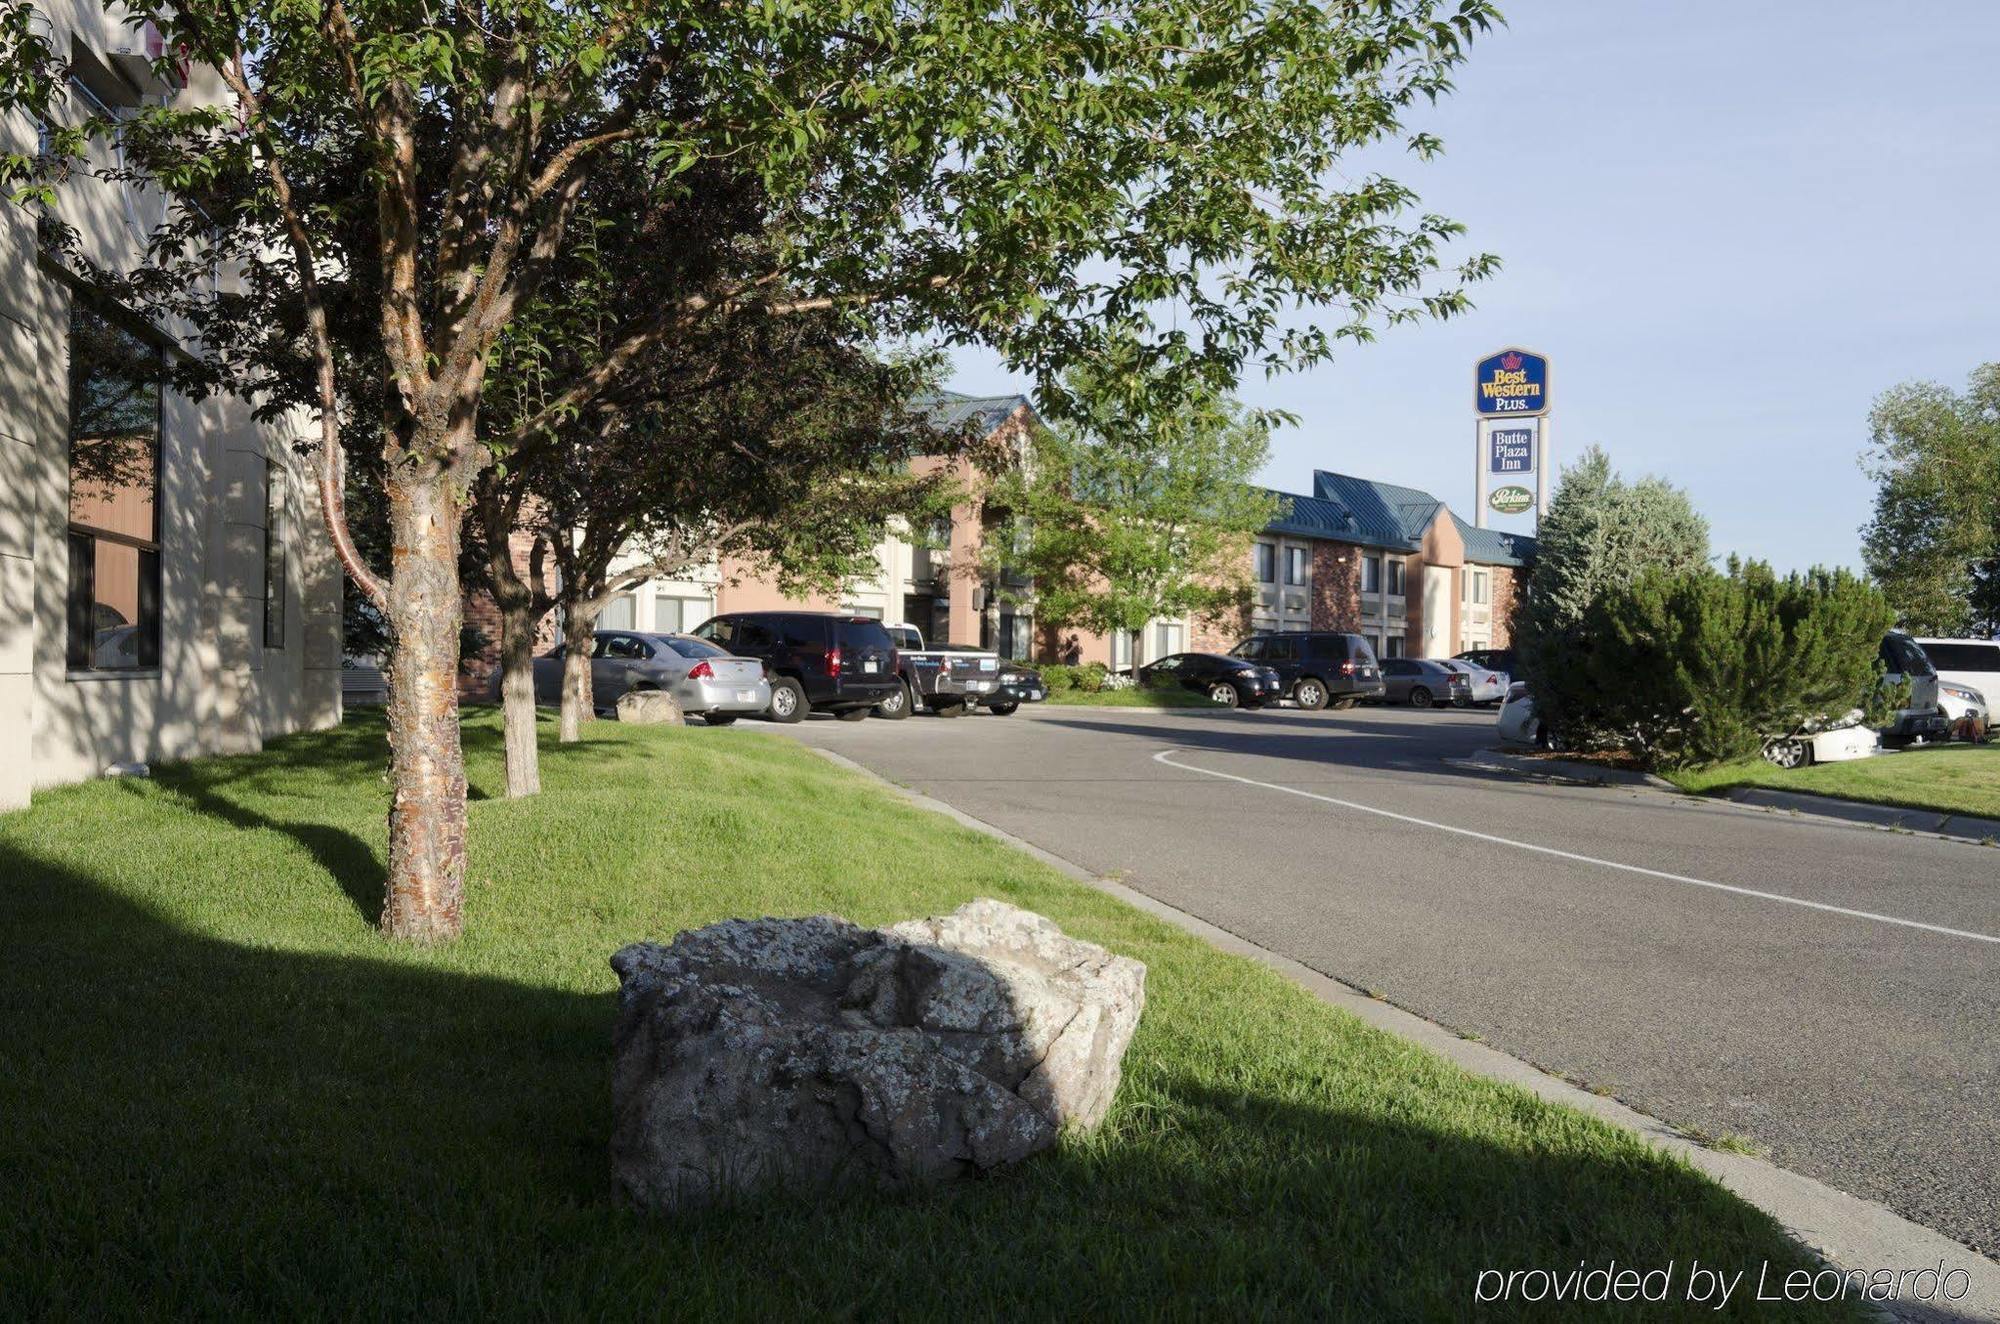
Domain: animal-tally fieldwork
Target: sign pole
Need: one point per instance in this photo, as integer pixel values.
(1479, 468)
(1542, 473)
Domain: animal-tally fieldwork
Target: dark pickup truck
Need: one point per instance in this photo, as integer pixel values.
(948, 681)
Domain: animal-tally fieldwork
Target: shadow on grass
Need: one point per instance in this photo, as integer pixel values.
(195, 1127)
(223, 787)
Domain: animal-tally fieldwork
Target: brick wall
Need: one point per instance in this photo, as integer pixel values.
(1336, 586)
(476, 666)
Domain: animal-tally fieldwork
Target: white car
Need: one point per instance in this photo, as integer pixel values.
(1967, 715)
(1849, 738)
(1486, 685)
(1517, 721)
(1829, 743)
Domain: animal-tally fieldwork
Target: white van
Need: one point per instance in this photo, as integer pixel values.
(1973, 663)
(1968, 682)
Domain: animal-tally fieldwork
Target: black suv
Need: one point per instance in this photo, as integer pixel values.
(817, 661)
(1317, 667)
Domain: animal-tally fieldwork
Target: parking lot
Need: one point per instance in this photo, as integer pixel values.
(1826, 991)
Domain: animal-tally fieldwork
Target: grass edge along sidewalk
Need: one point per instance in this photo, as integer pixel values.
(1955, 779)
(225, 1094)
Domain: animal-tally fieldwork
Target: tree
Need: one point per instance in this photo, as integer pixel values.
(1600, 533)
(1063, 181)
(1130, 513)
(1933, 543)
(1698, 666)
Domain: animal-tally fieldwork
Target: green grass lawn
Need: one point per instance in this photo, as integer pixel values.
(222, 1094)
(1137, 697)
(1952, 779)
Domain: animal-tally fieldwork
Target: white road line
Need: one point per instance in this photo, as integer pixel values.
(1162, 757)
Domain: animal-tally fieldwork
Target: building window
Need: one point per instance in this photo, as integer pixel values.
(1267, 563)
(1167, 637)
(275, 543)
(1397, 569)
(1371, 574)
(115, 403)
(1482, 588)
(856, 609)
(1295, 565)
(619, 613)
(679, 615)
(1121, 649)
(1392, 646)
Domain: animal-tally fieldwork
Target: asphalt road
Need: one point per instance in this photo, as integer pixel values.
(1855, 1038)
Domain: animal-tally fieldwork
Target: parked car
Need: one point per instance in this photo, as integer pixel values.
(1921, 718)
(1316, 667)
(702, 678)
(1493, 659)
(1228, 680)
(815, 661)
(1972, 666)
(1823, 742)
(1422, 682)
(1517, 722)
(362, 681)
(946, 679)
(1967, 714)
(1018, 685)
(1483, 685)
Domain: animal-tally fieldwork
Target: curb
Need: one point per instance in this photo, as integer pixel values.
(1891, 818)
(1844, 1230)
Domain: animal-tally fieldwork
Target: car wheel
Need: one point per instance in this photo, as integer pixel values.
(718, 719)
(1001, 709)
(852, 714)
(1461, 700)
(897, 706)
(1791, 752)
(1421, 697)
(1224, 693)
(788, 701)
(1310, 695)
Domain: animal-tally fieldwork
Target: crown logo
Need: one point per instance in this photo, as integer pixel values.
(1511, 362)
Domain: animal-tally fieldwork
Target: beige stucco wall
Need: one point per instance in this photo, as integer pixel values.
(218, 687)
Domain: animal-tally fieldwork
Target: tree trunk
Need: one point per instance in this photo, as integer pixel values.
(517, 700)
(579, 641)
(426, 762)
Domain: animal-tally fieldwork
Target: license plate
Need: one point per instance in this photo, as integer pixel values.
(870, 668)
(746, 696)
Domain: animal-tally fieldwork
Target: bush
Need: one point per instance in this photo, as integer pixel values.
(1703, 667)
(1601, 533)
(1088, 677)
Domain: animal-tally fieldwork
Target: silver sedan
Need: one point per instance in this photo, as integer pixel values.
(703, 678)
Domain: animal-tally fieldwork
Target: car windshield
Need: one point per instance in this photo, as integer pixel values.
(906, 637)
(859, 634)
(688, 647)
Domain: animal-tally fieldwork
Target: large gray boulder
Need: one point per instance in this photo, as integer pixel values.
(814, 1052)
(650, 708)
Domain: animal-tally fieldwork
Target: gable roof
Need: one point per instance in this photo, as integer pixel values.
(1494, 546)
(1388, 515)
(951, 409)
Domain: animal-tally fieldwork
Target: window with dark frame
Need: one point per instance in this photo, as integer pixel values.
(1397, 570)
(1371, 574)
(116, 399)
(275, 543)
(1267, 563)
(1295, 566)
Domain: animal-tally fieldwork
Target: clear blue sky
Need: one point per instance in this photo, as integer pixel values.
(1729, 226)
